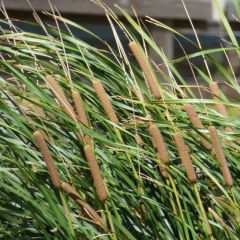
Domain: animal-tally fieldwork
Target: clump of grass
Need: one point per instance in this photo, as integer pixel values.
(135, 197)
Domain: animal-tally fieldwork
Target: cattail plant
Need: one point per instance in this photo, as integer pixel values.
(85, 206)
(197, 123)
(36, 109)
(145, 66)
(81, 116)
(159, 145)
(79, 107)
(60, 95)
(104, 99)
(138, 139)
(52, 170)
(158, 142)
(96, 172)
(185, 157)
(147, 202)
(221, 108)
(218, 150)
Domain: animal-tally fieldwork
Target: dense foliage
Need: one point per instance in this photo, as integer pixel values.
(147, 197)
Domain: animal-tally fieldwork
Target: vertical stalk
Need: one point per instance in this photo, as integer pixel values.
(204, 215)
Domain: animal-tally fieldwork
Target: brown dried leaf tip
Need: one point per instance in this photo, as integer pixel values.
(86, 207)
(52, 170)
(96, 172)
(146, 68)
(220, 156)
(185, 157)
(105, 101)
(60, 95)
(197, 123)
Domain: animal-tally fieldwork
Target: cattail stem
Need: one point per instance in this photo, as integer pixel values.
(61, 97)
(146, 68)
(185, 157)
(96, 173)
(87, 208)
(221, 108)
(104, 99)
(42, 145)
(197, 123)
(220, 156)
(158, 142)
(79, 107)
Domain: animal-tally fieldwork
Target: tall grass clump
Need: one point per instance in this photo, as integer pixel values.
(94, 145)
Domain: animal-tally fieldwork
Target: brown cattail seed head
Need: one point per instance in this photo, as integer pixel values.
(58, 92)
(220, 156)
(215, 90)
(96, 173)
(73, 194)
(217, 94)
(158, 142)
(196, 122)
(38, 110)
(104, 99)
(221, 108)
(138, 139)
(81, 113)
(185, 157)
(40, 141)
(193, 116)
(164, 172)
(146, 68)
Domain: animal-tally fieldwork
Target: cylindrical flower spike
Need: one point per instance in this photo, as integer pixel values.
(42, 145)
(81, 113)
(138, 139)
(104, 99)
(159, 143)
(145, 66)
(185, 157)
(58, 92)
(220, 156)
(196, 122)
(221, 108)
(96, 173)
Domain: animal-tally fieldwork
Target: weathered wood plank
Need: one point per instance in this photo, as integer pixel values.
(166, 9)
(173, 9)
(231, 12)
